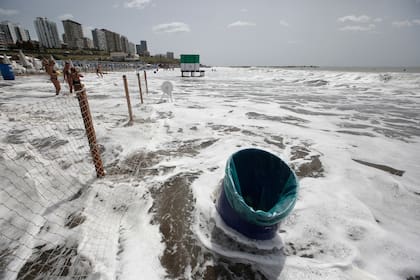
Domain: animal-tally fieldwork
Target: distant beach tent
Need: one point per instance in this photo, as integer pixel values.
(259, 190)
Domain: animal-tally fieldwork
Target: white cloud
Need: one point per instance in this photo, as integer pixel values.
(8, 12)
(360, 23)
(406, 23)
(241, 24)
(65, 16)
(138, 4)
(402, 23)
(284, 23)
(353, 18)
(244, 10)
(358, 27)
(173, 27)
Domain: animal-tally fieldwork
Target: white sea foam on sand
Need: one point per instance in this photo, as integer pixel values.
(348, 135)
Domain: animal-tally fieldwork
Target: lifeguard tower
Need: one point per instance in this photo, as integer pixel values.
(190, 64)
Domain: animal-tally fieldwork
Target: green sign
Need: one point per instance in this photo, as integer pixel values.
(190, 58)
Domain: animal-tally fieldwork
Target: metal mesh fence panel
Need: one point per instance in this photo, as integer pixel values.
(46, 175)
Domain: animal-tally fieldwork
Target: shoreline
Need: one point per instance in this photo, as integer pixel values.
(367, 69)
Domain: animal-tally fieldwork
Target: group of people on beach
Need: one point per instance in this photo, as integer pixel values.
(71, 75)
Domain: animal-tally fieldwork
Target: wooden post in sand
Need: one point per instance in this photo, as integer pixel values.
(127, 96)
(145, 81)
(90, 130)
(141, 94)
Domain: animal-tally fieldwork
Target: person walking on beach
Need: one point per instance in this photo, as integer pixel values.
(66, 71)
(45, 65)
(75, 79)
(48, 65)
(51, 66)
(66, 75)
(56, 83)
(99, 71)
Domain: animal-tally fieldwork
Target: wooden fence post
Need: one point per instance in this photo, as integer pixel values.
(90, 130)
(141, 94)
(127, 96)
(145, 80)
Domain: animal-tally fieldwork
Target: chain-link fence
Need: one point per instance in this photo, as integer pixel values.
(45, 172)
(56, 219)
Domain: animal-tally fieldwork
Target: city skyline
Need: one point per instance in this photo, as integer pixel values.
(46, 33)
(72, 38)
(249, 32)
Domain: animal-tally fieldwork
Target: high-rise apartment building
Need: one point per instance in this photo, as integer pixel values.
(13, 33)
(104, 39)
(47, 32)
(143, 48)
(113, 41)
(74, 34)
(117, 40)
(3, 40)
(9, 32)
(28, 35)
(87, 43)
(131, 48)
(99, 39)
(22, 34)
(170, 55)
(124, 44)
(109, 38)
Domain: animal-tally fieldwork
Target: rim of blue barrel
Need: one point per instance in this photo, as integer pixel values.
(259, 217)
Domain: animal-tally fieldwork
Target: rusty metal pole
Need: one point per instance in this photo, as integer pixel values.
(141, 94)
(90, 130)
(127, 95)
(145, 81)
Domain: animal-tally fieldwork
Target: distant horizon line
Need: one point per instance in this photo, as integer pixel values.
(374, 69)
(317, 66)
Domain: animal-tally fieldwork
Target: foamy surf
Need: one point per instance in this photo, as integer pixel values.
(351, 137)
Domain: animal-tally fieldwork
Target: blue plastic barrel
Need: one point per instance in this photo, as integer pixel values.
(259, 190)
(7, 71)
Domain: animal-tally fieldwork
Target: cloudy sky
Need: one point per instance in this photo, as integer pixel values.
(249, 32)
